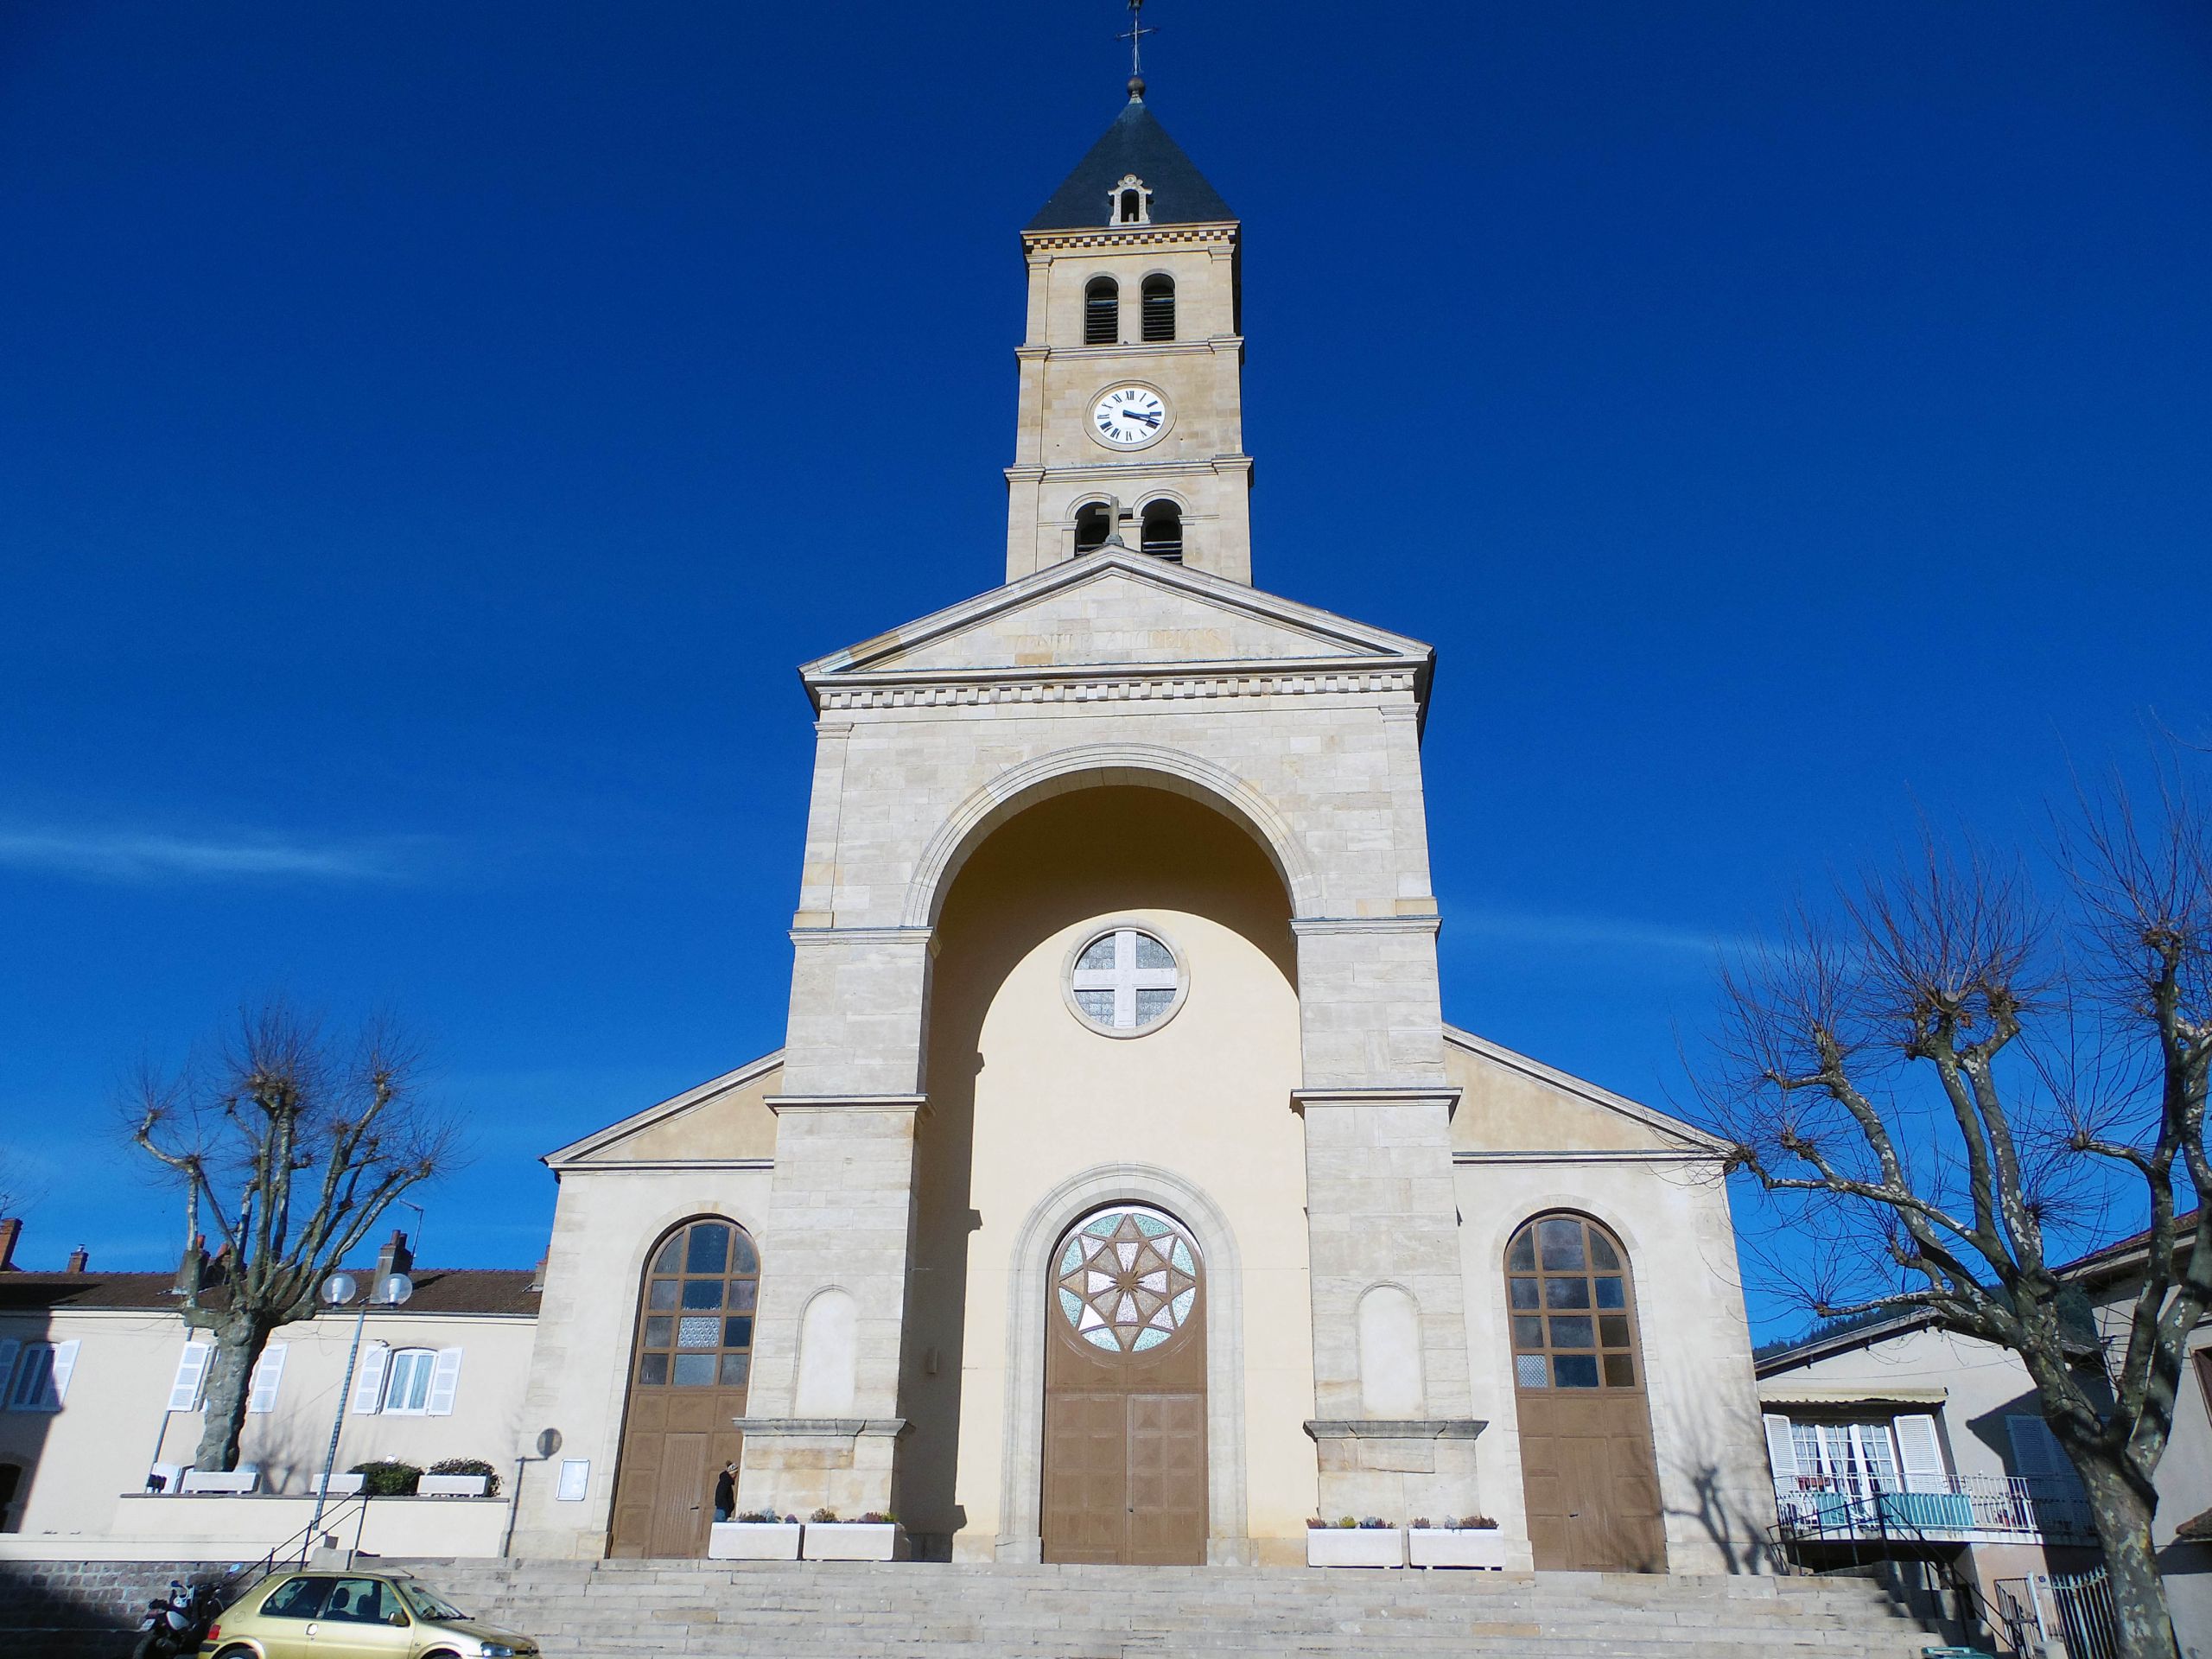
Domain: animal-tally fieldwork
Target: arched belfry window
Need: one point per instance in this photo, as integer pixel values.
(1094, 523)
(1101, 312)
(1567, 1284)
(1131, 202)
(1163, 531)
(1158, 307)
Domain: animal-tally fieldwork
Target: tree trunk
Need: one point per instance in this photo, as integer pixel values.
(2122, 1513)
(238, 1343)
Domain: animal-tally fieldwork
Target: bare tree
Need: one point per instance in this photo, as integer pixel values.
(288, 1146)
(1945, 1083)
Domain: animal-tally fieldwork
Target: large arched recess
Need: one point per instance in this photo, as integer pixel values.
(1106, 765)
(1064, 852)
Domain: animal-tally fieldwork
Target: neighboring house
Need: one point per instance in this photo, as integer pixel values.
(103, 1384)
(1898, 1441)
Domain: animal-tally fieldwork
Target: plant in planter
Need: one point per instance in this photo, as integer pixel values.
(387, 1478)
(1468, 1540)
(874, 1537)
(755, 1536)
(460, 1477)
(1369, 1542)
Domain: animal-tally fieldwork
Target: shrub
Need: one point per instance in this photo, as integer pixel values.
(1477, 1523)
(468, 1466)
(1420, 1522)
(1314, 1522)
(760, 1518)
(387, 1478)
(825, 1516)
(879, 1518)
(1373, 1523)
(1347, 1521)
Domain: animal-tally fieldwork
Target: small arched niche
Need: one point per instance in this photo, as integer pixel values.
(829, 1356)
(1391, 1380)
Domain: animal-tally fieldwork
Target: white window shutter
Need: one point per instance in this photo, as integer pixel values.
(368, 1384)
(1920, 1454)
(191, 1376)
(1781, 1452)
(57, 1384)
(445, 1382)
(268, 1374)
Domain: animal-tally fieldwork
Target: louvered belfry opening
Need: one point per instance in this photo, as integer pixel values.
(1163, 531)
(1094, 523)
(1159, 307)
(1101, 312)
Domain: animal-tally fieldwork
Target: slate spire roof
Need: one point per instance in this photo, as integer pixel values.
(1137, 143)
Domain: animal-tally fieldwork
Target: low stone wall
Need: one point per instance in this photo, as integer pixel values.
(83, 1610)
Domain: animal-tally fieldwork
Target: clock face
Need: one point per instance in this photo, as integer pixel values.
(1126, 417)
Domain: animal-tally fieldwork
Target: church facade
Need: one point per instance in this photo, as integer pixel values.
(1119, 1193)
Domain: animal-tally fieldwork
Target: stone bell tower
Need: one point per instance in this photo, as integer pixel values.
(1131, 423)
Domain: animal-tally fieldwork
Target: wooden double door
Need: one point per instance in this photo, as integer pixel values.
(1125, 1399)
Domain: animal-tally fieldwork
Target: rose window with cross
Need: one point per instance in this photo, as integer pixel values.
(1125, 981)
(1127, 1280)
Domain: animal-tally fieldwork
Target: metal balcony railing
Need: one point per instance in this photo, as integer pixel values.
(1946, 1509)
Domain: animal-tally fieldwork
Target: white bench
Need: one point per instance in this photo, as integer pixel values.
(246, 1478)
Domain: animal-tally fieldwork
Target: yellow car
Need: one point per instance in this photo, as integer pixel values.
(354, 1615)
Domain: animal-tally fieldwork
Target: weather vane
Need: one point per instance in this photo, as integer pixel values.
(1135, 35)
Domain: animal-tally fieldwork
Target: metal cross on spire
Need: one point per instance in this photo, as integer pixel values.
(1135, 35)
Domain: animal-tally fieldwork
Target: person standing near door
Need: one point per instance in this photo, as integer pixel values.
(726, 1492)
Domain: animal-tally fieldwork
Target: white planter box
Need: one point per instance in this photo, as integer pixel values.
(233, 1482)
(754, 1541)
(340, 1485)
(1355, 1545)
(852, 1541)
(1482, 1546)
(451, 1485)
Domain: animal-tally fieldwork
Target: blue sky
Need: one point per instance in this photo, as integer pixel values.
(430, 436)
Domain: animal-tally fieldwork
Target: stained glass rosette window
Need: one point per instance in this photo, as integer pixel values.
(1127, 1280)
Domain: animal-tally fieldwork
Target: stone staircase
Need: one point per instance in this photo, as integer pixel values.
(823, 1610)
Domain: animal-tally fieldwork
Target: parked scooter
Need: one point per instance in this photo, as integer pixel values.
(177, 1624)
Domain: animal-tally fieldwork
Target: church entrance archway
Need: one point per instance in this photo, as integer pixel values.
(1586, 1464)
(1125, 1392)
(689, 1365)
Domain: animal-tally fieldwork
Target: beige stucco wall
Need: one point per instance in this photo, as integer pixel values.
(609, 1215)
(114, 1425)
(1528, 1141)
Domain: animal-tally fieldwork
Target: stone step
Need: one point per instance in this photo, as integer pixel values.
(809, 1610)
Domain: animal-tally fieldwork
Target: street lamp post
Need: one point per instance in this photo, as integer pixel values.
(338, 1290)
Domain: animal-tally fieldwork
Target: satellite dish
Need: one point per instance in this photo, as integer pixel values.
(549, 1441)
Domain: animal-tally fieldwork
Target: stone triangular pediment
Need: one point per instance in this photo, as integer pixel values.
(1511, 1105)
(1118, 609)
(722, 1122)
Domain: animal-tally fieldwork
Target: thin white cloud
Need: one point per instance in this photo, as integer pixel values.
(134, 855)
(1568, 931)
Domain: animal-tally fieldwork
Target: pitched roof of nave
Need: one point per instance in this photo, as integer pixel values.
(1118, 612)
(1137, 143)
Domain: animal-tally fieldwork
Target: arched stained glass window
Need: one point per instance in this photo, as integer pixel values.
(695, 1326)
(1127, 1280)
(1567, 1289)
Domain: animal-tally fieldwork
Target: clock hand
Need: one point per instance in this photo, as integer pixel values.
(1135, 414)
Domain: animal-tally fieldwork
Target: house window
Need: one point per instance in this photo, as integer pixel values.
(42, 1376)
(1101, 312)
(1159, 309)
(407, 1385)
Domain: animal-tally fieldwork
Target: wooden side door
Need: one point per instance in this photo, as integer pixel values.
(1588, 1470)
(1125, 1442)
